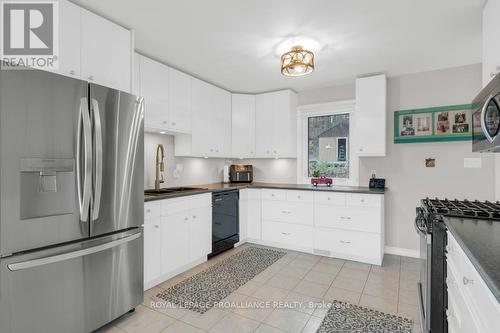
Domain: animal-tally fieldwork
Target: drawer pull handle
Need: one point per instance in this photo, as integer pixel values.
(362, 200)
(329, 198)
(467, 281)
(148, 210)
(345, 242)
(186, 218)
(286, 212)
(298, 197)
(345, 217)
(286, 233)
(157, 226)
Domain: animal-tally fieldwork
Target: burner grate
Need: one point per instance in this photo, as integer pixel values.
(464, 208)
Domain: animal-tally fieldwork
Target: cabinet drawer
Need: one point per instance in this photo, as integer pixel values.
(174, 206)
(291, 212)
(350, 243)
(482, 303)
(367, 219)
(300, 196)
(364, 200)
(151, 209)
(292, 234)
(330, 198)
(273, 194)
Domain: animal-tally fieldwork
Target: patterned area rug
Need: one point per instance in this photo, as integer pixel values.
(344, 317)
(205, 289)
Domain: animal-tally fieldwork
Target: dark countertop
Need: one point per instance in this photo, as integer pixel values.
(216, 187)
(480, 240)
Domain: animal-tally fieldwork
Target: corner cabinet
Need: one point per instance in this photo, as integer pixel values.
(491, 47)
(369, 127)
(276, 124)
(243, 125)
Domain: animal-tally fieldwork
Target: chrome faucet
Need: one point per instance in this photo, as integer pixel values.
(160, 166)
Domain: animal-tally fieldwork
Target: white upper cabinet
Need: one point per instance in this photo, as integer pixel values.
(243, 125)
(69, 39)
(211, 123)
(491, 46)
(154, 83)
(369, 126)
(107, 51)
(179, 101)
(276, 124)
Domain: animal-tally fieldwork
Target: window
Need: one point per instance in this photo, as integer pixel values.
(324, 143)
(328, 144)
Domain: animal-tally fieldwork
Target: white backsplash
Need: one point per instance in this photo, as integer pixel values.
(193, 171)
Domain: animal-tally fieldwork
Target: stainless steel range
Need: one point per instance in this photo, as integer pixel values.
(429, 224)
(71, 203)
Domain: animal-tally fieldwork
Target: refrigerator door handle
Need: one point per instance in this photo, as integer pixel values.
(98, 159)
(84, 191)
(71, 255)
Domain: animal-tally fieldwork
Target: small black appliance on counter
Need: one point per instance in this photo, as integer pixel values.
(377, 183)
(241, 173)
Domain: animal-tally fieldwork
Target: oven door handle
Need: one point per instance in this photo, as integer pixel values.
(419, 219)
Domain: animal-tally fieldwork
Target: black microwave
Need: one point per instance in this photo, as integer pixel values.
(486, 118)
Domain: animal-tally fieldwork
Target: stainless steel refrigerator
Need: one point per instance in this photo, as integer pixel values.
(71, 203)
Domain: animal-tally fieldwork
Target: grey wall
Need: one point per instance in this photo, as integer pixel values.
(407, 178)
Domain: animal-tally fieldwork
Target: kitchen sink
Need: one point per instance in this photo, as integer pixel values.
(170, 190)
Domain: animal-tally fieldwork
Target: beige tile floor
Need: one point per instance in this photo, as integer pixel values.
(297, 277)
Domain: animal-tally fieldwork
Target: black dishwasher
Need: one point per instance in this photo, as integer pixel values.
(225, 221)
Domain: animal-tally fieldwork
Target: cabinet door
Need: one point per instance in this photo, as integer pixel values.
(180, 101)
(221, 122)
(284, 117)
(175, 242)
(264, 125)
(369, 127)
(491, 47)
(243, 125)
(152, 249)
(200, 233)
(202, 111)
(69, 39)
(254, 225)
(106, 56)
(154, 89)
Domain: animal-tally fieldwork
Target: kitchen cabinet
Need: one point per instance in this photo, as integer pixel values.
(179, 97)
(154, 85)
(106, 52)
(211, 123)
(341, 225)
(177, 236)
(69, 39)
(471, 305)
(250, 215)
(369, 125)
(243, 125)
(491, 47)
(276, 124)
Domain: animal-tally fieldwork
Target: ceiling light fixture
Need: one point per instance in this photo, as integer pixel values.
(297, 62)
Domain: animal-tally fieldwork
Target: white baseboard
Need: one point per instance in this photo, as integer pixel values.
(399, 251)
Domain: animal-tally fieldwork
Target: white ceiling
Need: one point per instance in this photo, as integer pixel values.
(233, 43)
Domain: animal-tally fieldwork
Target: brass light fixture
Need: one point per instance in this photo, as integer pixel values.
(297, 62)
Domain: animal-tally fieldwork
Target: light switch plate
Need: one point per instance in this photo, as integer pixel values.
(473, 163)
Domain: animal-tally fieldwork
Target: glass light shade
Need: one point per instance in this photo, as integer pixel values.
(297, 62)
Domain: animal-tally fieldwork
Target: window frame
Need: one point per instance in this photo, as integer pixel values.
(325, 109)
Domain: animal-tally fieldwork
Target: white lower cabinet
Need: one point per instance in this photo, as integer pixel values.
(250, 215)
(472, 307)
(177, 236)
(342, 225)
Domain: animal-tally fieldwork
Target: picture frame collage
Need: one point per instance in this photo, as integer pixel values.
(444, 123)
